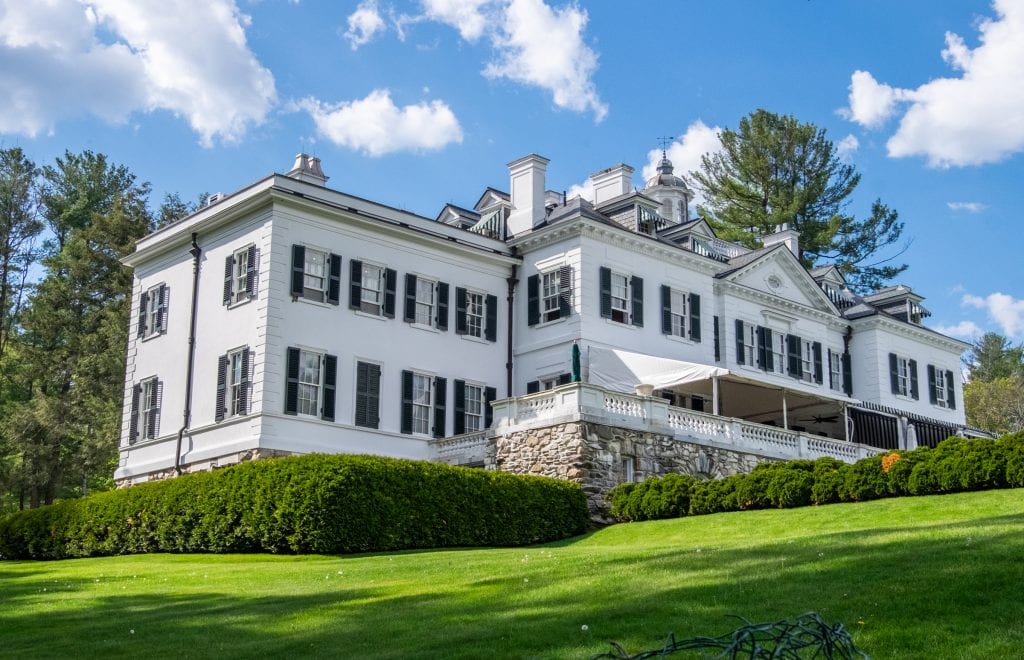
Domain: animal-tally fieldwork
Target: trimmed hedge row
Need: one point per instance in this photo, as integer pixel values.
(956, 464)
(305, 504)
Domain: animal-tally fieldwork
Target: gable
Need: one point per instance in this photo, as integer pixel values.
(779, 274)
(489, 198)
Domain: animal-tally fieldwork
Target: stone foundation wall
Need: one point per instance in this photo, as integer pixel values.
(599, 457)
(204, 466)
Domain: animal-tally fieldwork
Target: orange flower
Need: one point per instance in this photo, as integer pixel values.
(889, 460)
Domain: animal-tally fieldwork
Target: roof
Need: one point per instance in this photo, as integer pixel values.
(737, 262)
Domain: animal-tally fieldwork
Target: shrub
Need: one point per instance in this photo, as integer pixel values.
(900, 470)
(866, 480)
(654, 497)
(314, 503)
(829, 475)
(1011, 448)
(791, 488)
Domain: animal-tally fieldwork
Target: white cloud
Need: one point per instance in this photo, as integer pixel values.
(364, 24)
(1004, 310)
(685, 153)
(847, 147)
(969, 207)
(376, 126)
(467, 16)
(544, 47)
(111, 58)
(963, 330)
(972, 119)
(584, 190)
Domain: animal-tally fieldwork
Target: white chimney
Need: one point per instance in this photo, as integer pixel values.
(790, 237)
(611, 183)
(307, 168)
(527, 190)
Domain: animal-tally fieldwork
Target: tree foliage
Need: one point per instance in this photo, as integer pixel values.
(993, 356)
(775, 170)
(994, 395)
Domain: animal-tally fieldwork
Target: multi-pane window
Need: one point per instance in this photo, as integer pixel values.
(153, 305)
(902, 376)
(148, 409)
(237, 381)
(620, 298)
(372, 284)
(778, 349)
(315, 272)
(550, 296)
(749, 344)
(677, 304)
(425, 301)
(240, 276)
(310, 383)
(806, 361)
(474, 314)
(474, 408)
(835, 369)
(422, 400)
(941, 389)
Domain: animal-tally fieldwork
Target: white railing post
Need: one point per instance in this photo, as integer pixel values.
(801, 451)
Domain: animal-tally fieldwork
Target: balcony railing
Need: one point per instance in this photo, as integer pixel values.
(715, 248)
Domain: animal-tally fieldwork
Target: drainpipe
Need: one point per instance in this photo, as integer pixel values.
(512, 280)
(196, 252)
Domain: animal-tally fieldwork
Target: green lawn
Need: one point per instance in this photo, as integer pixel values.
(919, 577)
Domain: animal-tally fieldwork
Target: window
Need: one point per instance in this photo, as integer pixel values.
(233, 384)
(145, 416)
(425, 301)
(806, 361)
(240, 275)
(367, 395)
(778, 348)
(474, 314)
(312, 377)
(373, 289)
(903, 376)
(421, 403)
(549, 296)
(677, 307)
(548, 383)
(316, 274)
(749, 344)
(835, 370)
(474, 408)
(940, 388)
(153, 311)
(680, 313)
(622, 297)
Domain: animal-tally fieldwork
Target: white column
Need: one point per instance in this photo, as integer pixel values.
(714, 395)
(785, 412)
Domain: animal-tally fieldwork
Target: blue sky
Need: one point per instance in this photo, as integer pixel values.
(416, 104)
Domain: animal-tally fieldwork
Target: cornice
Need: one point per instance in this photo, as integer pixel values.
(798, 274)
(915, 332)
(775, 302)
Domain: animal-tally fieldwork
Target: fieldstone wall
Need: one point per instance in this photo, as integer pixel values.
(599, 457)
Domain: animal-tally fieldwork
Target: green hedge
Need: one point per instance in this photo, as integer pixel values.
(305, 504)
(957, 464)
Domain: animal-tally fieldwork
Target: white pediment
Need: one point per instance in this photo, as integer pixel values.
(778, 273)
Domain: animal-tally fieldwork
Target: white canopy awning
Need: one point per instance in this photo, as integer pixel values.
(622, 371)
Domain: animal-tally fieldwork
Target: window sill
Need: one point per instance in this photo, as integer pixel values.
(544, 324)
(240, 303)
(152, 336)
(476, 340)
(377, 317)
(310, 301)
(422, 326)
(680, 339)
(622, 324)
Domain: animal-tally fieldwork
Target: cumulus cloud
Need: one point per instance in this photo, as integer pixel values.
(968, 207)
(686, 152)
(469, 17)
(376, 126)
(111, 58)
(544, 47)
(963, 330)
(364, 24)
(584, 190)
(972, 119)
(1004, 310)
(847, 147)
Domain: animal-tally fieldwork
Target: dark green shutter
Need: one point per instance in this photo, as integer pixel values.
(564, 292)
(794, 348)
(564, 379)
(143, 304)
(666, 310)
(739, 342)
(250, 272)
(161, 319)
(243, 393)
(442, 306)
(491, 318)
(533, 300)
(762, 348)
(894, 373)
(291, 396)
(831, 382)
(154, 408)
(440, 396)
(390, 283)
(933, 395)
(913, 378)
(330, 383)
(133, 420)
(460, 408)
(367, 395)
(334, 282)
(355, 290)
(950, 391)
(636, 293)
(220, 408)
(816, 353)
(694, 317)
(490, 394)
(229, 268)
(847, 374)
(410, 298)
(460, 311)
(406, 402)
(715, 331)
(605, 278)
(298, 270)
(533, 387)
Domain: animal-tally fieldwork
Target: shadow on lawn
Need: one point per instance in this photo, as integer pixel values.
(955, 590)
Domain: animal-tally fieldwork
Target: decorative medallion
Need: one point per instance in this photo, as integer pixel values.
(774, 282)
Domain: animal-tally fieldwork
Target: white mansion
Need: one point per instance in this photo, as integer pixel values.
(292, 318)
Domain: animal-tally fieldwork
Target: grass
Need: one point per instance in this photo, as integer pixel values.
(912, 578)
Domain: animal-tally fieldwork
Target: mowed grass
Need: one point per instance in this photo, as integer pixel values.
(927, 577)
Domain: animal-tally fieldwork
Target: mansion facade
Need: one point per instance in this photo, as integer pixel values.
(290, 318)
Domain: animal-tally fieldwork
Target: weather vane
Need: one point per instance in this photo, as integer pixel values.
(664, 142)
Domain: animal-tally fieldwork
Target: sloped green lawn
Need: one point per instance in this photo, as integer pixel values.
(927, 577)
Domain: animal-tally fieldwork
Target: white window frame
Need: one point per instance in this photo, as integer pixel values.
(146, 408)
(475, 312)
(902, 376)
(426, 301)
(750, 345)
(422, 403)
(806, 361)
(549, 383)
(473, 407)
(152, 319)
(941, 388)
(315, 276)
(778, 350)
(236, 381)
(551, 295)
(620, 297)
(310, 394)
(372, 297)
(240, 275)
(836, 370)
(678, 311)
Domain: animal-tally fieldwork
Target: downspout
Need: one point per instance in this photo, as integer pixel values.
(196, 252)
(512, 280)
